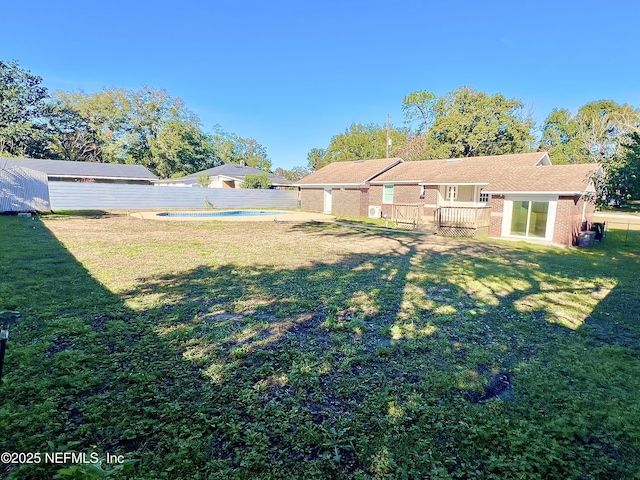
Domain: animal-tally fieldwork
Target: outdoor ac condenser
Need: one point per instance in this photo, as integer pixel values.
(375, 211)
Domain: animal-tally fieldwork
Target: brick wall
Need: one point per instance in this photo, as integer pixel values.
(347, 202)
(497, 213)
(401, 194)
(431, 194)
(312, 199)
(569, 219)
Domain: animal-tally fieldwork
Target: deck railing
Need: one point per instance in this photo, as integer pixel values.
(407, 215)
(462, 221)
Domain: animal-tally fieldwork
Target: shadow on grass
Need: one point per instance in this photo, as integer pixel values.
(429, 360)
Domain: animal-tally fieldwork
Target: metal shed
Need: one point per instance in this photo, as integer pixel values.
(23, 190)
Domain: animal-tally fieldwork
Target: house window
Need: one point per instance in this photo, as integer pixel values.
(452, 192)
(484, 197)
(387, 196)
(422, 191)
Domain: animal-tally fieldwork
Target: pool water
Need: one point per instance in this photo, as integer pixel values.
(232, 213)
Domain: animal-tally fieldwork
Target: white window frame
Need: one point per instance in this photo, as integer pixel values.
(455, 192)
(422, 192)
(508, 211)
(387, 194)
(485, 195)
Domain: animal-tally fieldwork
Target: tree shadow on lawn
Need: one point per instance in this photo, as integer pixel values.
(428, 360)
(460, 357)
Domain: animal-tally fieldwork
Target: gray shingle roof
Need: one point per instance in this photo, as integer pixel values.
(63, 168)
(236, 172)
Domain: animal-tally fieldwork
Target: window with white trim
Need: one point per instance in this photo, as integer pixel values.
(484, 197)
(387, 195)
(452, 192)
(422, 191)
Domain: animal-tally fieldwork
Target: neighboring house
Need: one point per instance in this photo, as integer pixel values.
(507, 196)
(25, 182)
(342, 188)
(224, 176)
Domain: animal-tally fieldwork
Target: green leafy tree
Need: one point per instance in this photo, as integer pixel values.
(231, 148)
(470, 123)
(204, 180)
(316, 158)
(144, 127)
(71, 136)
(23, 106)
(560, 138)
(259, 181)
(604, 126)
(106, 113)
(358, 142)
(622, 173)
(595, 134)
(418, 106)
(181, 148)
(296, 173)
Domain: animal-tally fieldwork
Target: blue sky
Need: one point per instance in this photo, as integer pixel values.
(292, 74)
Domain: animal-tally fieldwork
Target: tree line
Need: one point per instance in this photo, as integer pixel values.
(469, 123)
(144, 127)
(149, 127)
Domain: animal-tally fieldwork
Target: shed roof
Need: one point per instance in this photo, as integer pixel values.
(355, 172)
(471, 170)
(64, 168)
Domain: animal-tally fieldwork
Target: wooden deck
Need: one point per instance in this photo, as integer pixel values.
(462, 221)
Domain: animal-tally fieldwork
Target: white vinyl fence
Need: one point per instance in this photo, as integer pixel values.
(113, 196)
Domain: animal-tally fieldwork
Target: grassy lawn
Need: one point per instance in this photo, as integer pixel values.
(227, 350)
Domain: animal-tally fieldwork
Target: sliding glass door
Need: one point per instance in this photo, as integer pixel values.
(529, 219)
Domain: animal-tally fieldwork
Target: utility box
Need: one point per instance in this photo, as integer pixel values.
(585, 238)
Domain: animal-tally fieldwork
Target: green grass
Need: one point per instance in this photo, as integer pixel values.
(224, 350)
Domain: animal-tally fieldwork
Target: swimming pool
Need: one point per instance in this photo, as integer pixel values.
(231, 213)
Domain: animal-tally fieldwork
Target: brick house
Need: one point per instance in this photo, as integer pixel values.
(508, 196)
(342, 188)
(553, 203)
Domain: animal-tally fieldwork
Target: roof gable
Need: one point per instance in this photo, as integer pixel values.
(354, 172)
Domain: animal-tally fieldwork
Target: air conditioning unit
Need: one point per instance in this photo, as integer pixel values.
(375, 211)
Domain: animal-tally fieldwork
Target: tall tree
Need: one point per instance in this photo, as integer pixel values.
(296, 173)
(560, 138)
(604, 126)
(246, 151)
(358, 142)
(180, 148)
(470, 123)
(622, 173)
(418, 106)
(595, 134)
(72, 137)
(145, 127)
(22, 109)
(316, 158)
